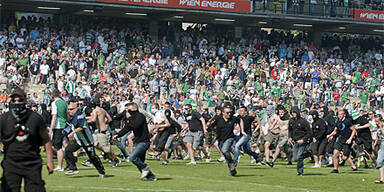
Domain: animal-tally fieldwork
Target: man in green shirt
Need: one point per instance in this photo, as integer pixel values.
(58, 123)
(364, 100)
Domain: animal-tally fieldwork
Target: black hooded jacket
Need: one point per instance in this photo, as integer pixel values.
(319, 128)
(298, 127)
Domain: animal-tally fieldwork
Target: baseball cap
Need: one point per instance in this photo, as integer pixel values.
(17, 92)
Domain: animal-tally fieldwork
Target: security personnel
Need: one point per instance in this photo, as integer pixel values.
(79, 130)
(22, 132)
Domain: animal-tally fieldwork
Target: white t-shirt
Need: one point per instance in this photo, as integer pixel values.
(44, 69)
(19, 42)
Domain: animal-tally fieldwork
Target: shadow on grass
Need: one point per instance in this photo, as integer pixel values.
(314, 174)
(164, 179)
(249, 175)
(91, 176)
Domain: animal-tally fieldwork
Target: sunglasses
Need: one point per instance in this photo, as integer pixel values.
(17, 100)
(228, 112)
(70, 109)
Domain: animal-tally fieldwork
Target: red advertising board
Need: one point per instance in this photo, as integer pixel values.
(217, 5)
(369, 15)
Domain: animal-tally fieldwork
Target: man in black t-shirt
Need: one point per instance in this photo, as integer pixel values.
(246, 134)
(345, 132)
(364, 136)
(137, 123)
(197, 128)
(22, 132)
(224, 131)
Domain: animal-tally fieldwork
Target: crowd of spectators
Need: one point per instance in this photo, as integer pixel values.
(199, 66)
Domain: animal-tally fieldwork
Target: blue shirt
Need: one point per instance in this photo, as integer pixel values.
(315, 76)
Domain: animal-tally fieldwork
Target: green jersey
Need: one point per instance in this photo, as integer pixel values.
(60, 109)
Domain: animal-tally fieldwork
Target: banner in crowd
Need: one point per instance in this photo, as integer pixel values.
(216, 5)
(369, 15)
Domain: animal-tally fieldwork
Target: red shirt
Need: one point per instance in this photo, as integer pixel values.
(336, 96)
(365, 74)
(274, 74)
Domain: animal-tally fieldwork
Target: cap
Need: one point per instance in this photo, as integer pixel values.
(18, 93)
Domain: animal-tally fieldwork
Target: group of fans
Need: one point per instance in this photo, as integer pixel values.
(268, 95)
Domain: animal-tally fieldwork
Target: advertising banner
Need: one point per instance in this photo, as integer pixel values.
(369, 15)
(216, 5)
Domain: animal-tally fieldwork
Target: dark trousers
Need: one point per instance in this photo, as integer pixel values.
(137, 156)
(71, 159)
(14, 172)
(300, 152)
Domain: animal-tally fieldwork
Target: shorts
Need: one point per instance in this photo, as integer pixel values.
(318, 148)
(169, 142)
(366, 140)
(210, 138)
(283, 140)
(271, 138)
(330, 146)
(57, 138)
(193, 138)
(340, 146)
(102, 142)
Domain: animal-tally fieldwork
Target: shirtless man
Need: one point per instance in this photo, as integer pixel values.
(283, 137)
(273, 132)
(101, 135)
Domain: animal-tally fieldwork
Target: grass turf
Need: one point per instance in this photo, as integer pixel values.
(214, 176)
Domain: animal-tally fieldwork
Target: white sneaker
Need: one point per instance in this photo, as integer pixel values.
(72, 172)
(192, 163)
(315, 166)
(58, 169)
(208, 160)
(186, 157)
(222, 159)
(144, 172)
(253, 160)
(101, 176)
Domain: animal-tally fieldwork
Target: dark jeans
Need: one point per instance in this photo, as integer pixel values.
(137, 156)
(225, 148)
(71, 159)
(14, 172)
(300, 152)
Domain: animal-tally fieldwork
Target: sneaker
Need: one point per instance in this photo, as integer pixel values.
(192, 163)
(221, 159)
(253, 160)
(354, 169)
(145, 172)
(58, 169)
(289, 163)
(87, 164)
(208, 160)
(269, 164)
(72, 172)
(233, 172)
(164, 163)
(102, 176)
(300, 174)
(116, 163)
(186, 157)
(151, 179)
(335, 171)
(126, 159)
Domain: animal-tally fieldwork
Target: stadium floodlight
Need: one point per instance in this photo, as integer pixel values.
(228, 20)
(342, 28)
(301, 25)
(88, 11)
(137, 14)
(379, 30)
(178, 17)
(49, 8)
(262, 22)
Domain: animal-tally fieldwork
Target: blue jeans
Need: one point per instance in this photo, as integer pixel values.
(225, 148)
(299, 154)
(137, 156)
(380, 155)
(119, 144)
(243, 144)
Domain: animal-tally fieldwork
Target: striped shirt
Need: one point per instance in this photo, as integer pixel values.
(84, 137)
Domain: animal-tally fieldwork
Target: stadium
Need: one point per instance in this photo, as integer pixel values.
(192, 95)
